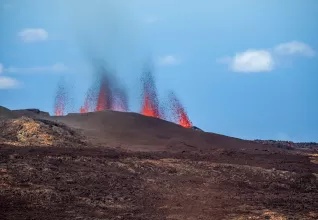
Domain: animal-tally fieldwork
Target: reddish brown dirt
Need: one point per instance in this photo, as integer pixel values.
(129, 166)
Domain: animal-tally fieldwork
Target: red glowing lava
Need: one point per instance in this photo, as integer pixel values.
(184, 119)
(104, 98)
(150, 104)
(107, 93)
(178, 112)
(59, 111)
(60, 100)
(90, 101)
(148, 108)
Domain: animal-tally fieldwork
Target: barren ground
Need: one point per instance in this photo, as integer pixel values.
(111, 165)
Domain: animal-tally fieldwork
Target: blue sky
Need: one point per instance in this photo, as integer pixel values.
(244, 68)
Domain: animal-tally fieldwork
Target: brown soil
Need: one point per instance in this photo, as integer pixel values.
(127, 166)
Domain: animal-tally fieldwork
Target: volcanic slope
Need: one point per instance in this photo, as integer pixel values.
(6, 113)
(136, 167)
(138, 133)
(133, 131)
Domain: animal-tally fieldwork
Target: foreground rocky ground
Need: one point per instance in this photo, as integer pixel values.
(55, 172)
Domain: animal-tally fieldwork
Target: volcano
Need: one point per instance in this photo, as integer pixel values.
(119, 165)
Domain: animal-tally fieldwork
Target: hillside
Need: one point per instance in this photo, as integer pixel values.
(114, 165)
(6, 113)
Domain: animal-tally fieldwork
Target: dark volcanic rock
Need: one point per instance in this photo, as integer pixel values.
(134, 167)
(289, 145)
(196, 128)
(37, 111)
(6, 114)
(32, 112)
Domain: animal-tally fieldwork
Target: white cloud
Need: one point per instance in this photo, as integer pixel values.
(294, 48)
(8, 83)
(252, 61)
(1, 68)
(265, 60)
(55, 68)
(30, 35)
(169, 60)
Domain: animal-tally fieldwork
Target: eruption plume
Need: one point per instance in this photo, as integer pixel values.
(104, 100)
(150, 103)
(90, 99)
(60, 99)
(178, 112)
(86, 107)
(106, 93)
(120, 102)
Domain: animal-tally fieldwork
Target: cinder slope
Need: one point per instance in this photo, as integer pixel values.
(32, 112)
(6, 114)
(137, 132)
(48, 172)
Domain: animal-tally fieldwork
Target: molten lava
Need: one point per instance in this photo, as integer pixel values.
(101, 101)
(107, 93)
(90, 101)
(179, 113)
(148, 108)
(59, 111)
(60, 100)
(104, 100)
(184, 119)
(150, 104)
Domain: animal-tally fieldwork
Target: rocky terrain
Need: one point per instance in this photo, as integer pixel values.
(114, 165)
(290, 145)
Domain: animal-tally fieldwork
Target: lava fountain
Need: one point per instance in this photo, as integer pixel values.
(178, 112)
(150, 104)
(90, 100)
(120, 100)
(85, 107)
(60, 99)
(106, 93)
(104, 99)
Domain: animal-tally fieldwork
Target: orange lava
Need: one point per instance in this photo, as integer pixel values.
(60, 99)
(59, 110)
(150, 102)
(111, 95)
(104, 97)
(184, 119)
(178, 112)
(101, 101)
(148, 108)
